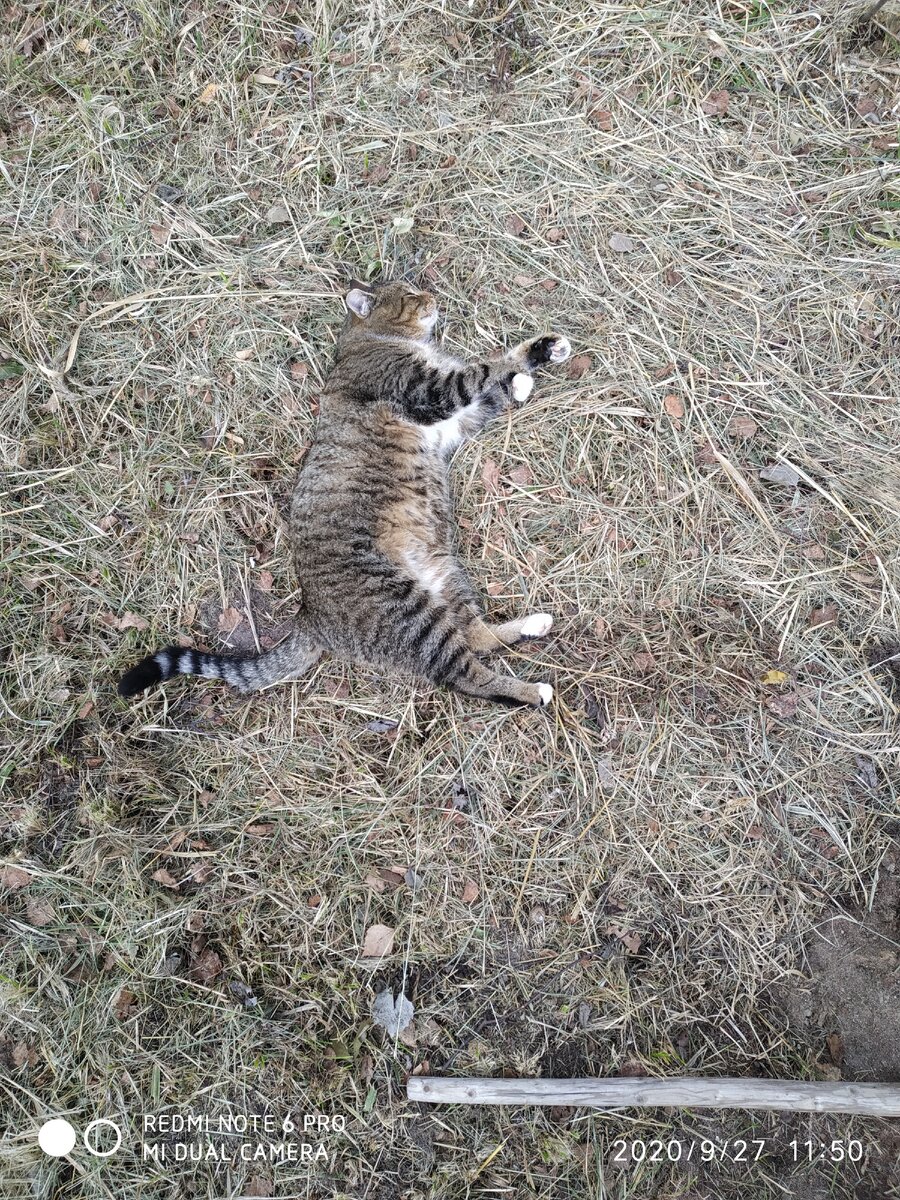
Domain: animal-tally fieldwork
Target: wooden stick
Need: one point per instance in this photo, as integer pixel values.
(872, 1099)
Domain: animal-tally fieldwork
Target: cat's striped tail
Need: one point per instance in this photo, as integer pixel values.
(246, 672)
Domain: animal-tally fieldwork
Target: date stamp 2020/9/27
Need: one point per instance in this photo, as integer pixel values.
(626, 1151)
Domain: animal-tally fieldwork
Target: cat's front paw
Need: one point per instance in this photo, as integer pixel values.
(521, 387)
(554, 348)
(560, 349)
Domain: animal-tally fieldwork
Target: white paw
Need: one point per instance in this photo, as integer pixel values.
(560, 350)
(545, 691)
(521, 387)
(537, 625)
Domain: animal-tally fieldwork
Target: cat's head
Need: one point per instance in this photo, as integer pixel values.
(396, 307)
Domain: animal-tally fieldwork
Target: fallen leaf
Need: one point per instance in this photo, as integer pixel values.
(524, 281)
(229, 619)
(780, 473)
(490, 476)
(741, 427)
(242, 993)
(165, 878)
(299, 370)
(206, 966)
(716, 104)
(773, 678)
(393, 877)
(826, 615)
(382, 725)
(643, 662)
(378, 942)
(621, 243)
(40, 913)
(578, 366)
(629, 938)
(161, 234)
(601, 117)
(245, 354)
(469, 892)
(194, 922)
(555, 235)
(266, 581)
(166, 192)
(200, 872)
(783, 704)
(14, 878)
(124, 1004)
(377, 174)
(515, 225)
(390, 1014)
(64, 219)
(459, 796)
(673, 405)
(130, 620)
(413, 881)
(208, 94)
(20, 1055)
(521, 475)
(632, 1069)
(278, 215)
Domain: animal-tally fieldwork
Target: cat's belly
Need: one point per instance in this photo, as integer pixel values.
(376, 496)
(414, 533)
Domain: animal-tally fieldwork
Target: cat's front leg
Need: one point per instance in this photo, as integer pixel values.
(528, 356)
(546, 350)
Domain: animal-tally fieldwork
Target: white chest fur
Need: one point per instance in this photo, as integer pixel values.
(444, 436)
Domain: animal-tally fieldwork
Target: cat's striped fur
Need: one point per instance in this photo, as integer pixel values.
(370, 520)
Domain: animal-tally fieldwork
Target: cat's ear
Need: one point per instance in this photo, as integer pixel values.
(359, 302)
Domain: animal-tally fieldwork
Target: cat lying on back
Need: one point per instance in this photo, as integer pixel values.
(370, 519)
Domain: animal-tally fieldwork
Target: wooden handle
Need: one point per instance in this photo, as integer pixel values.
(873, 1099)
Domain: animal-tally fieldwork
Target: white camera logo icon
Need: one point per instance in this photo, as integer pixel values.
(58, 1137)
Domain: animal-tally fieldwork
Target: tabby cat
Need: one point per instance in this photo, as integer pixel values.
(370, 518)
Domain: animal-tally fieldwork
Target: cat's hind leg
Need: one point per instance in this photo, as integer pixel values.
(431, 637)
(464, 672)
(486, 639)
(476, 679)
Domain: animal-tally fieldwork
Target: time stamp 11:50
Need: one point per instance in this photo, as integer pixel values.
(633, 1150)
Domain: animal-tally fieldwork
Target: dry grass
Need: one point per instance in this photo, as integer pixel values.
(151, 425)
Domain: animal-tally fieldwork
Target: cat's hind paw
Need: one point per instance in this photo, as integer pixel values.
(536, 625)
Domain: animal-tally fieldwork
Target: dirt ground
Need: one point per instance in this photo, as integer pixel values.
(850, 1001)
(688, 864)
